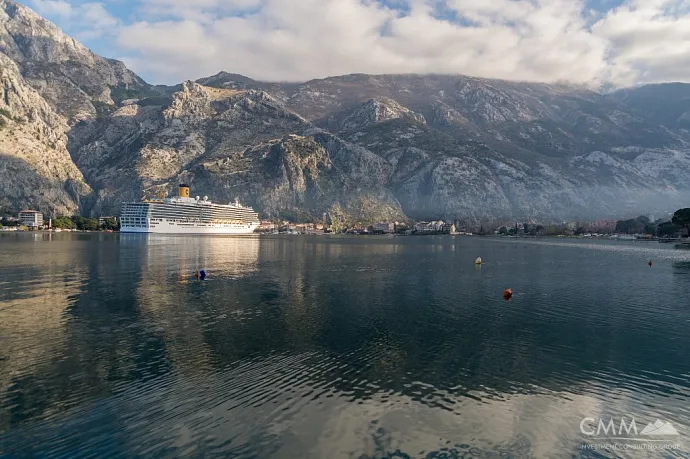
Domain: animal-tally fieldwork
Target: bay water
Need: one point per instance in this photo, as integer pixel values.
(340, 346)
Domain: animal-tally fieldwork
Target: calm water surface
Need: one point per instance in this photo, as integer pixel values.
(336, 347)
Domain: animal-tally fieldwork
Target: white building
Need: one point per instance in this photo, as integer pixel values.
(31, 218)
(429, 227)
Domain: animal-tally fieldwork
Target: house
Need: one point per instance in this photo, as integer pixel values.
(384, 228)
(304, 228)
(267, 226)
(31, 218)
(429, 227)
(448, 228)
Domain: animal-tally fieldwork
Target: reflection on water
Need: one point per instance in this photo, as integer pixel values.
(682, 267)
(335, 347)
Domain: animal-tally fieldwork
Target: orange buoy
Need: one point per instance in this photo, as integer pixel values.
(507, 294)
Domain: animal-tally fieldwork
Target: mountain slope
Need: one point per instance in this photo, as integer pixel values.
(359, 148)
(35, 167)
(665, 104)
(77, 83)
(224, 141)
(302, 177)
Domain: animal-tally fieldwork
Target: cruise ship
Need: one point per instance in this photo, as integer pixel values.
(185, 215)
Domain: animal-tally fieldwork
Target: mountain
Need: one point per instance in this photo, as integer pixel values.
(74, 81)
(664, 104)
(82, 132)
(36, 169)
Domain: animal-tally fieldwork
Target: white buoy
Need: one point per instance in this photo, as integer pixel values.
(478, 261)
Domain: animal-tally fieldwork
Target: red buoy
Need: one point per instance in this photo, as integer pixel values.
(507, 294)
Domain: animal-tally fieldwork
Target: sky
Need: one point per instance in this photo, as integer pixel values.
(613, 43)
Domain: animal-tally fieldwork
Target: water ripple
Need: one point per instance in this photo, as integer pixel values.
(319, 347)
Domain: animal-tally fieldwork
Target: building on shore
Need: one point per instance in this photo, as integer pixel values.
(384, 228)
(267, 226)
(31, 218)
(434, 227)
(304, 228)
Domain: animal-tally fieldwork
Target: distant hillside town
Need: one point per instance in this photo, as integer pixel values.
(675, 226)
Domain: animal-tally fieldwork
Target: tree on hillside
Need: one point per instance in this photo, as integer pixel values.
(111, 224)
(667, 229)
(7, 222)
(682, 218)
(632, 226)
(650, 228)
(63, 223)
(85, 224)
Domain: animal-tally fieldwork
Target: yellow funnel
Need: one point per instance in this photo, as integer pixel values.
(184, 191)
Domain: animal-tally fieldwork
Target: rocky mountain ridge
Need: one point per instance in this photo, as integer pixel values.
(35, 167)
(85, 133)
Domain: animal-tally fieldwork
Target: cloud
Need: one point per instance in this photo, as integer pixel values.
(649, 40)
(537, 40)
(86, 20)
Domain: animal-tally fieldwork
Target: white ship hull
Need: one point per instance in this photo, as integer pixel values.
(165, 227)
(185, 215)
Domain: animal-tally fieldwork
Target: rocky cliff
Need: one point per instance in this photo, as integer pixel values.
(81, 131)
(77, 83)
(36, 170)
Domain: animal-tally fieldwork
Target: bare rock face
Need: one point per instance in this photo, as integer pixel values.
(76, 82)
(142, 147)
(81, 133)
(370, 113)
(304, 178)
(36, 170)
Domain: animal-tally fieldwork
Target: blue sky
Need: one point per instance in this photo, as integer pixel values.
(592, 42)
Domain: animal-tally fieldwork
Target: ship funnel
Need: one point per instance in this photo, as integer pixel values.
(184, 191)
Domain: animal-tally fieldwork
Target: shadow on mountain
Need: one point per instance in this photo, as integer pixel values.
(36, 191)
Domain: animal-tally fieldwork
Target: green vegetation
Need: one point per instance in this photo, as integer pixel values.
(162, 101)
(642, 225)
(124, 92)
(103, 110)
(86, 224)
(6, 222)
(76, 222)
(637, 225)
(682, 219)
(111, 224)
(667, 229)
(64, 223)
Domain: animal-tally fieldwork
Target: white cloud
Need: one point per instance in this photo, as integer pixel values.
(88, 20)
(53, 8)
(649, 41)
(540, 40)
